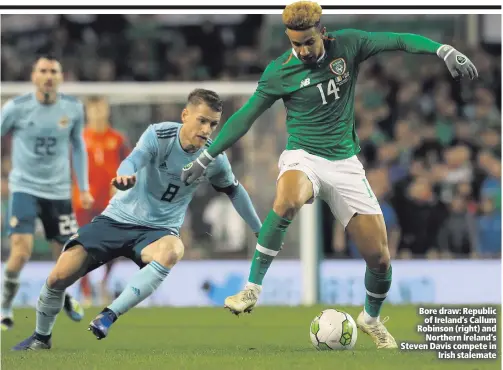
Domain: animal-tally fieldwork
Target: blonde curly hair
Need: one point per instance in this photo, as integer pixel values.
(302, 15)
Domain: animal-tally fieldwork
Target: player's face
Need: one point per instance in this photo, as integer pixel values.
(98, 111)
(47, 75)
(308, 44)
(199, 122)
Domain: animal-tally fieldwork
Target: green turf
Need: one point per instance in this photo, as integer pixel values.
(212, 338)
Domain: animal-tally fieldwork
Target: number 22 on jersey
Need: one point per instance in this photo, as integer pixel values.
(332, 89)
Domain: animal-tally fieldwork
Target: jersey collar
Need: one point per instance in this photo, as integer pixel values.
(320, 59)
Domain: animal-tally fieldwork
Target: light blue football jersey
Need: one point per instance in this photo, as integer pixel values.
(159, 199)
(42, 136)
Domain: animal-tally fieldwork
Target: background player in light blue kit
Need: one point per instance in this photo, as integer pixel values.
(143, 221)
(43, 124)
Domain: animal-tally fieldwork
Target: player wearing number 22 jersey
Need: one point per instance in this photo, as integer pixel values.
(45, 126)
(316, 80)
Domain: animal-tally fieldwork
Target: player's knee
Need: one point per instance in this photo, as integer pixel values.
(168, 253)
(58, 279)
(379, 258)
(70, 266)
(379, 262)
(288, 205)
(20, 248)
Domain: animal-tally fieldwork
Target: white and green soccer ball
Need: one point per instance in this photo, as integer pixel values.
(333, 330)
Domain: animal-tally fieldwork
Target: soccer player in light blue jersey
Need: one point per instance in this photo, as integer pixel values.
(143, 219)
(43, 125)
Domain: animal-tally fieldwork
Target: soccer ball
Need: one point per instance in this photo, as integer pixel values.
(333, 330)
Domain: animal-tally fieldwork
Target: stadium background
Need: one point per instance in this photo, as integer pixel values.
(431, 146)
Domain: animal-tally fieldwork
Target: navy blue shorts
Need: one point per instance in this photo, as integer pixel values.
(56, 215)
(106, 239)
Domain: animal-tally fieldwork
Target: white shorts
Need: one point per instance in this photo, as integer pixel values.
(342, 184)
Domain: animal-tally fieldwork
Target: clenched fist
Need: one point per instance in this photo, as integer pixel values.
(86, 199)
(124, 182)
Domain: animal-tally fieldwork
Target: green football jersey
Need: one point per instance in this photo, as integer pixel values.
(319, 99)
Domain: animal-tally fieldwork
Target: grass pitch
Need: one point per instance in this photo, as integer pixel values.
(212, 338)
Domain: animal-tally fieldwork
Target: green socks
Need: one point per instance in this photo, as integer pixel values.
(269, 244)
(377, 285)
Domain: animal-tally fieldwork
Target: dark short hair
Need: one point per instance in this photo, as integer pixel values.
(210, 98)
(47, 56)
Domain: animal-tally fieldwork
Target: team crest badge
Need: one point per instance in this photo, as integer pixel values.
(461, 59)
(13, 221)
(63, 122)
(338, 66)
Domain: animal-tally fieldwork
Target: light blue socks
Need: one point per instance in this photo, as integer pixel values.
(49, 304)
(143, 283)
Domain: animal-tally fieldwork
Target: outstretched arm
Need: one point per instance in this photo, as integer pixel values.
(223, 180)
(242, 204)
(372, 43)
(239, 124)
(268, 91)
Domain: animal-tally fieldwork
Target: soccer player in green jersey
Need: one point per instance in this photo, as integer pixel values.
(316, 80)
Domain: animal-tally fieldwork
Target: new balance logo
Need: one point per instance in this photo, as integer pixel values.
(305, 82)
(136, 291)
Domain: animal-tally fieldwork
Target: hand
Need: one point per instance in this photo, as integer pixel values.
(124, 182)
(86, 199)
(458, 64)
(194, 170)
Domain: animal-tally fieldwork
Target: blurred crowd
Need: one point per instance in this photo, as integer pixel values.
(115, 47)
(431, 146)
(432, 151)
